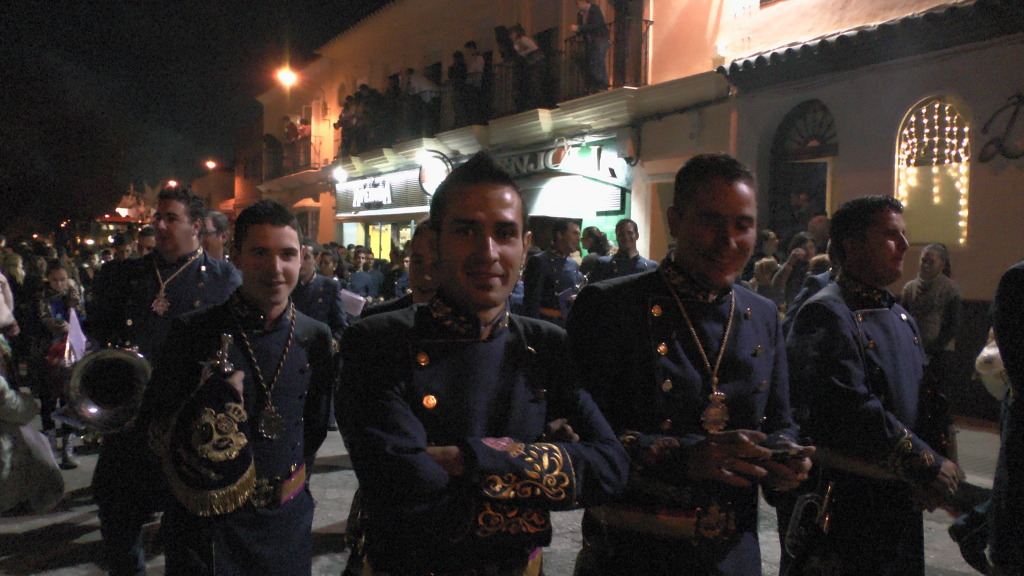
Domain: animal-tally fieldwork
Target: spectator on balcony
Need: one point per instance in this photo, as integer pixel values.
(346, 123)
(291, 140)
(305, 142)
(593, 30)
(529, 62)
(425, 101)
(458, 73)
(475, 65)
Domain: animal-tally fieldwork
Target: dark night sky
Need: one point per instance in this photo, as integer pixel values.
(99, 94)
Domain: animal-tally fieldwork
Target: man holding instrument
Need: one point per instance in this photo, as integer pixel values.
(133, 305)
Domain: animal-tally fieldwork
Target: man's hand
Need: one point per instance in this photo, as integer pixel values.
(560, 431)
(725, 457)
(797, 255)
(789, 471)
(941, 488)
(447, 457)
(236, 381)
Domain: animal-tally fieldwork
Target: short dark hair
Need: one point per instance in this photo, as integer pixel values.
(331, 255)
(147, 231)
(560, 226)
(854, 217)
(480, 169)
(470, 44)
(627, 221)
(220, 221)
(314, 248)
(799, 240)
(359, 250)
(704, 169)
(194, 205)
(120, 239)
(266, 211)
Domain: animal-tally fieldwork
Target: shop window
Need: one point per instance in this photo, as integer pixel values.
(932, 172)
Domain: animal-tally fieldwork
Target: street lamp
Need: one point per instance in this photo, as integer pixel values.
(288, 78)
(210, 164)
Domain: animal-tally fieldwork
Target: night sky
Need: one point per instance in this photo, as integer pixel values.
(96, 95)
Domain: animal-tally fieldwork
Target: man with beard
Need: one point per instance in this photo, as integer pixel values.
(463, 424)
(133, 305)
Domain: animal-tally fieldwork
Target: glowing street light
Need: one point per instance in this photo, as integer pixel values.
(211, 164)
(288, 78)
(172, 183)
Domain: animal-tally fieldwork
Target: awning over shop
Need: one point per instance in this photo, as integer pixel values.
(939, 29)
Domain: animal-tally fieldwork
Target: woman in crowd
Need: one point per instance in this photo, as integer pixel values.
(61, 297)
(596, 243)
(933, 299)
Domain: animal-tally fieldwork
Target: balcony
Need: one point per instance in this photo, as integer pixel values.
(385, 121)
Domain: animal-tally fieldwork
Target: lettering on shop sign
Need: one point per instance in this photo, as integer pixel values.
(1001, 142)
(372, 192)
(552, 159)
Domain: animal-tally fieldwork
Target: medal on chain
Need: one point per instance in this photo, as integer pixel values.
(161, 304)
(715, 417)
(269, 423)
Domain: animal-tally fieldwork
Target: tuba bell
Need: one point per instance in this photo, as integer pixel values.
(105, 389)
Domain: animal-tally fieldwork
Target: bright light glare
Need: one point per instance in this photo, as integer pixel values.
(340, 174)
(211, 164)
(172, 183)
(286, 77)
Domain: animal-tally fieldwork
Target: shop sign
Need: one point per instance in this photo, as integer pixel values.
(372, 191)
(597, 160)
(397, 190)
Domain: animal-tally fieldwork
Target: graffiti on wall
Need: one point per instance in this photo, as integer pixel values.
(1000, 127)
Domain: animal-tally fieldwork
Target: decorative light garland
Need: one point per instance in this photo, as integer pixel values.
(935, 136)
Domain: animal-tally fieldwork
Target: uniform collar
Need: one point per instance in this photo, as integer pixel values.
(686, 286)
(447, 322)
(862, 295)
(165, 263)
(248, 316)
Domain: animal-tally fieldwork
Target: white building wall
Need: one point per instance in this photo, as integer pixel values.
(869, 106)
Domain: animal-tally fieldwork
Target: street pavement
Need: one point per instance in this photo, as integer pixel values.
(66, 541)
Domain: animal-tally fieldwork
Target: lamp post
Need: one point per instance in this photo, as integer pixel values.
(288, 78)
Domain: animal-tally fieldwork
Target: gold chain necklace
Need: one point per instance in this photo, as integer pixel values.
(161, 304)
(270, 423)
(716, 416)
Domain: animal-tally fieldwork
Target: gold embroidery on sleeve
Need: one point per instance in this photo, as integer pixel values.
(545, 475)
(497, 518)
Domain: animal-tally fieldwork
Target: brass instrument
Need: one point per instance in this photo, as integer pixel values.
(105, 389)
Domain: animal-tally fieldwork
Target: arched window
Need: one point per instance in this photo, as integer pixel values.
(932, 172)
(805, 142)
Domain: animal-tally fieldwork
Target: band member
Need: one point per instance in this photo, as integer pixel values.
(422, 275)
(463, 424)
(551, 273)
(627, 260)
(857, 364)
(134, 302)
(690, 369)
(1005, 532)
(318, 296)
(236, 443)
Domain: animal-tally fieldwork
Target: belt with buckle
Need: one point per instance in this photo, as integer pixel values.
(712, 523)
(275, 492)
